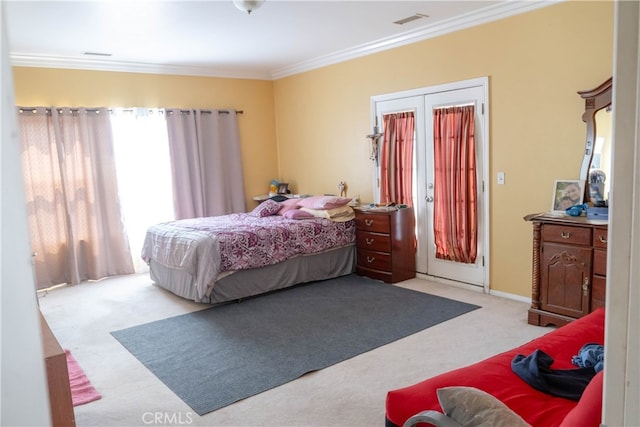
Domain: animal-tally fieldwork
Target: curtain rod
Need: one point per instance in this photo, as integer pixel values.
(464, 104)
(95, 110)
(211, 111)
(48, 110)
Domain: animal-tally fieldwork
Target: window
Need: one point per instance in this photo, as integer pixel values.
(144, 173)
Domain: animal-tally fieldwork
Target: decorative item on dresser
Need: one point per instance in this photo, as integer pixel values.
(385, 244)
(569, 267)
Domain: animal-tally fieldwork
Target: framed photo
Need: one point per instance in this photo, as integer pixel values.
(283, 188)
(567, 193)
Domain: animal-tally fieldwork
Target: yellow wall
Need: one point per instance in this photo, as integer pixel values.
(536, 62)
(47, 86)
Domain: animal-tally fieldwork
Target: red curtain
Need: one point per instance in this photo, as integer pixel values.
(396, 163)
(455, 217)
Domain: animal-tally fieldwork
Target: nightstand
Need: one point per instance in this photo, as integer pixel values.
(261, 198)
(385, 244)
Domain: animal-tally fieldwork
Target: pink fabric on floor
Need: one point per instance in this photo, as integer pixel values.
(81, 389)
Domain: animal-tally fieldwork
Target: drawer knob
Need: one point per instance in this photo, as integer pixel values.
(369, 241)
(602, 239)
(370, 259)
(565, 235)
(368, 222)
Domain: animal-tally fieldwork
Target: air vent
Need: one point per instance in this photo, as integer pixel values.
(410, 18)
(96, 54)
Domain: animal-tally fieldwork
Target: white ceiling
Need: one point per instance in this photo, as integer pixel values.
(213, 38)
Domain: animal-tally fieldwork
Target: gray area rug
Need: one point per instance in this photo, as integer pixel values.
(217, 356)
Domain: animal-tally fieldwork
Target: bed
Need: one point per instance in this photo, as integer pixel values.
(230, 257)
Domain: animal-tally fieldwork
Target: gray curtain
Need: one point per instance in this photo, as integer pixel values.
(206, 162)
(72, 195)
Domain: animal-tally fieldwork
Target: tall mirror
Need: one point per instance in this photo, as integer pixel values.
(596, 164)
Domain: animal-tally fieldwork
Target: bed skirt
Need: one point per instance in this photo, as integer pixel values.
(246, 283)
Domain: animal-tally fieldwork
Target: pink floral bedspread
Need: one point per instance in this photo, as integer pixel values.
(209, 247)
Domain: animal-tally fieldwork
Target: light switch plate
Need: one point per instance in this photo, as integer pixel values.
(500, 178)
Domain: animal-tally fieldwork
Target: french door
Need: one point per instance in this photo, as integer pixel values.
(422, 102)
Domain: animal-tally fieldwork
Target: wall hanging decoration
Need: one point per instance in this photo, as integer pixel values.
(374, 137)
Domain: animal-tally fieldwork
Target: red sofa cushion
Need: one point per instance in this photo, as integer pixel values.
(494, 375)
(588, 411)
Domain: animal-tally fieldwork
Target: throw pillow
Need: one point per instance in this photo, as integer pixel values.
(297, 214)
(266, 208)
(470, 406)
(323, 202)
(287, 205)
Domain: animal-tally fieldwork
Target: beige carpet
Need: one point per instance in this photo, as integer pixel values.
(351, 393)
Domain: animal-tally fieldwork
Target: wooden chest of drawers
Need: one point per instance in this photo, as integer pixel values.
(599, 280)
(569, 268)
(385, 243)
(60, 400)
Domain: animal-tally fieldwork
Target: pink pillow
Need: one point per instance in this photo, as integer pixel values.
(298, 214)
(588, 411)
(287, 205)
(323, 202)
(266, 208)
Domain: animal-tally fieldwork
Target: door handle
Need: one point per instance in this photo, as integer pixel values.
(429, 199)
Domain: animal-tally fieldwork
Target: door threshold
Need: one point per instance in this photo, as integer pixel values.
(455, 283)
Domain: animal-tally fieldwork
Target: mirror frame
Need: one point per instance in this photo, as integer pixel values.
(594, 100)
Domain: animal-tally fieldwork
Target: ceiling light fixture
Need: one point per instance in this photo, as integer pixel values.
(248, 5)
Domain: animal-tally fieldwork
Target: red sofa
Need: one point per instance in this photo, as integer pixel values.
(494, 376)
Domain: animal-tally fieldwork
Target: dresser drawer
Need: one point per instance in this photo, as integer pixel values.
(373, 241)
(373, 222)
(566, 234)
(600, 238)
(600, 262)
(374, 260)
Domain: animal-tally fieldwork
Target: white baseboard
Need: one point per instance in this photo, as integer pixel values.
(510, 296)
(449, 282)
(474, 288)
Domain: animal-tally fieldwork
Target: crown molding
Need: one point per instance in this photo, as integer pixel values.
(44, 61)
(496, 12)
(489, 14)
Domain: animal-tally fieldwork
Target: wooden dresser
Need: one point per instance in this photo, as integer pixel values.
(62, 414)
(385, 243)
(569, 268)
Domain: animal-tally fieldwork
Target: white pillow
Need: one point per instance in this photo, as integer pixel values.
(340, 214)
(323, 202)
(470, 406)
